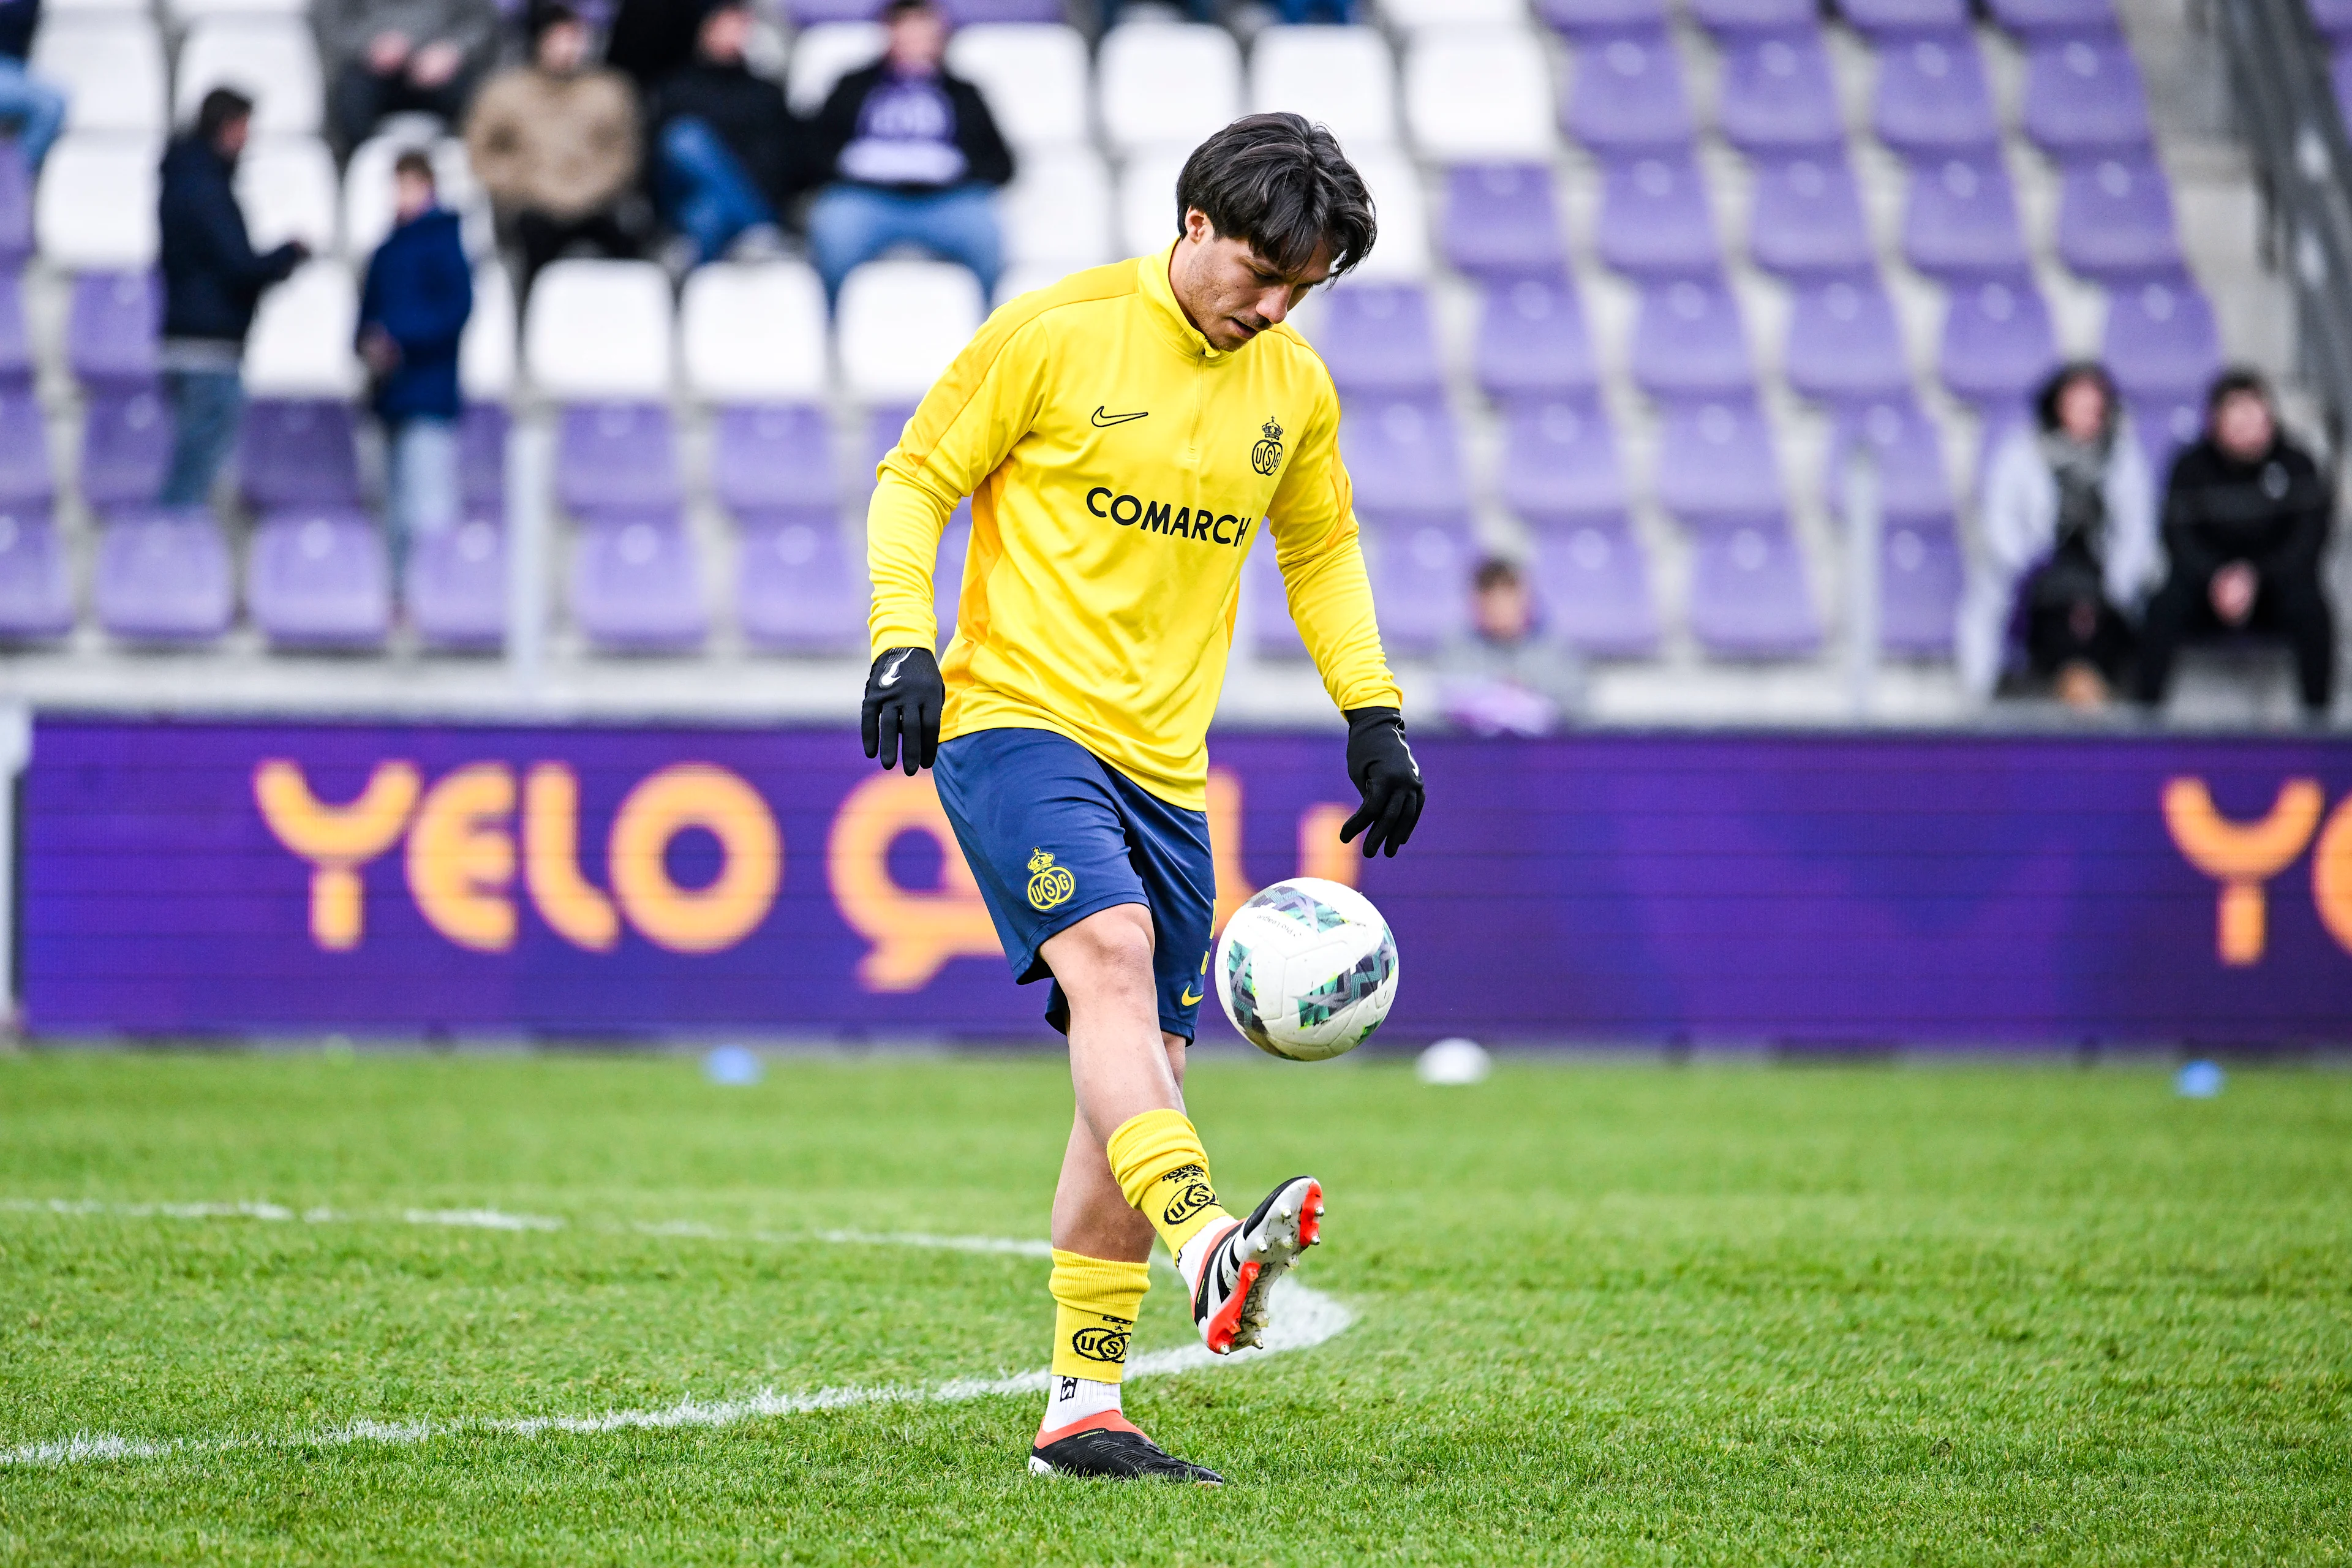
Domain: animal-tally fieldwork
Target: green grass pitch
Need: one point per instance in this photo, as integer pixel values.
(1605, 1314)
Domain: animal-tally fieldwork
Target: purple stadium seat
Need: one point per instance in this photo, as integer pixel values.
(1918, 587)
(112, 328)
(947, 573)
(2161, 338)
(635, 585)
(2333, 18)
(1655, 220)
(16, 347)
(1716, 460)
(1739, 18)
(15, 207)
(163, 575)
(126, 446)
(2085, 96)
(319, 577)
(1806, 217)
(299, 452)
(1626, 97)
(455, 587)
(1933, 97)
(1883, 19)
(1959, 220)
(1593, 581)
(1376, 337)
(963, 13)
(1778, 94)
(2035, 20)
(482, 456)
(1689, 341)
(796, 588)
(807, 13)
(36, 590)
(1749, 594)
(2115, 220)
(775, 456)
(24, 473)
(1560, 464)
(1404, 456)
(616, 457)
(1502, 220)
(1909, 451)
(1843, 342)
(1273, 634)
(2165, 423)
(1532, 340)
(2339, 74)
(1420, 577)
(1587, 20)
(1997, 342)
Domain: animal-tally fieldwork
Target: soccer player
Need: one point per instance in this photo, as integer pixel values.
(1121, 436)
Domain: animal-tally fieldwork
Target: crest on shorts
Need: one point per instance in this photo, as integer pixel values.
(1267, 456)
(1049, 885)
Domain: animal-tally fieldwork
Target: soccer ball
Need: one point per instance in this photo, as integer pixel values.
(1307, 970)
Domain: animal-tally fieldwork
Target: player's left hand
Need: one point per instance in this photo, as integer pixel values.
(904, 697)
(1381, 767)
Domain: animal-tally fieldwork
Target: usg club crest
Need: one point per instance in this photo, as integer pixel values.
(1267, 456)
(1049, 885)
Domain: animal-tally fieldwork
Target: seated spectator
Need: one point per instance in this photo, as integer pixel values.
(555, 143)
(2069, 529)
(413, 310)
(2246, 519)
(726, 147)
(1506, 676)
(913, 152)
(212, 280)
(33, 107)
(393, 56)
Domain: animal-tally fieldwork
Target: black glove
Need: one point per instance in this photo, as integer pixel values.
(1381, 765)
(903, 696)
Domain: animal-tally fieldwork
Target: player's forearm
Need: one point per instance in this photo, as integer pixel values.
(903, 525)
(1331, 600)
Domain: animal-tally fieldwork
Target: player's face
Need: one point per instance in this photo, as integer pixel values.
(1231, 292)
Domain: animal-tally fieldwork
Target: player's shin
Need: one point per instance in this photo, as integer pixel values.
(1095, 1305)
(1160, 1165)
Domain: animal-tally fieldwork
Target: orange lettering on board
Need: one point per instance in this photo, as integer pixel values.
(751, 865)
(2331, 876)
(337, 840)
(2241, 856)
(551, 861)
(1320, 853)
(461, 856)
(914, 931)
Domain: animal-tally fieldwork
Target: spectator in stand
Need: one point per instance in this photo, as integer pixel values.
(1506, 676)
(2070, 549)
(650, 38)
(33, 107)
(555, 143)
(2246, 519)
(413, 310)
(212, 280)
(1291, 11)
(393, 56)
(727, 148)
(913, 153)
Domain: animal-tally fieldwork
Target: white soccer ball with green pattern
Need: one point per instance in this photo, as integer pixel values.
(1307, 970)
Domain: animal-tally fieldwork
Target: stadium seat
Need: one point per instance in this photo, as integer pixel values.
(1689, 342)
(80, 8)
(1163, 86)
(1147, 201)
(1479, 95)
(2333, 18)
(318, 577)
(1919, 577)
(1402, 255)
(1404, 455)
(25, 478)
(2084, 95)
(455, 587)
(1959, 220)
(1037, 79)
(2161, 338)
(2164, 422)
(15, 342)
(112, 325)
(1716, 460)
(482, 432)
(185, 13)
(1998, 344)
(302, 336)
(617, 457)
(1778, 95)
(797, 590)
(2035, 20)
(1592, 581)
(1626, 96)
(754, 333)
(1588, 21)
(826, 51)
(1503, 220)
(486, 352)
(774, 459)
(1410, 15)
(1379, 337)
(162, 576)
(35, 581)
(1344, 77)
(1749, 598)
(1739, 20)
(898, 325)
(1421, 571)
(2115, 219)
(637, 586)
(809, 15)
(1882, 20)
(110, 67)
(15, 207)
(1004, 12)
(126, 445)
(287, 186)
(95, 207)
(1843, 344)
(272, 60)
(1272, 634)
(1056, 212)
(1655, 220)
(1805, 218)
(1532, 341)
(1932, 97)
(1560, 463)
(599, 330)
(299, 452)
(1909, 452)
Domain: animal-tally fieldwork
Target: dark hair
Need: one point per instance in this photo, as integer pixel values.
(548, 14)
(1284, 186)
(1495, 573)
(898, 8)
(2238, 381)
(2045, 402)
(221, 107)
(413, 161)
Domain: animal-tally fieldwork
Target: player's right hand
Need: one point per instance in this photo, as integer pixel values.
(904, 697)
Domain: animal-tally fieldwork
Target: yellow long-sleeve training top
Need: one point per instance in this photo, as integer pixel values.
(1118, 467)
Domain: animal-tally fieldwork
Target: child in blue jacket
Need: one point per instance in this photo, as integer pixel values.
(413, 310)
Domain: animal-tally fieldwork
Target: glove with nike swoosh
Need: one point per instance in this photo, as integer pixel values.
(1381, 766)
(904, 698)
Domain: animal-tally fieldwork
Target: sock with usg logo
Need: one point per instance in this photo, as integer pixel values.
(1159, 1163)
(1094, 1304)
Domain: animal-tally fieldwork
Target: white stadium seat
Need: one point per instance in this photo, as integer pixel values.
(823, 55)
(301, 342)
(367, 192)
(1163, 85)
(1034, 76)
(110, 65)
(1027, 277)
(1402, 253)
(272, 60)
(1147, 201)
(599, 330)
(188, 13)
(754, 333)
(1058, 210)
(77, 9)
(486, 354)
(1408, 16)
(1480, 94)
(1343, 77)
(900, 323)
(95, 204)
(287, 186)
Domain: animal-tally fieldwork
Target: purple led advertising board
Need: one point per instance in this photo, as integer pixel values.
(392, 878)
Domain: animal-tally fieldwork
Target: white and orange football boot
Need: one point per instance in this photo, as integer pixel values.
(1230, 1268)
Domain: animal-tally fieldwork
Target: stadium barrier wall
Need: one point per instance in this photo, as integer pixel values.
(186, 877)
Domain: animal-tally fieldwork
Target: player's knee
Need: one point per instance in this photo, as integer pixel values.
(1111, 948)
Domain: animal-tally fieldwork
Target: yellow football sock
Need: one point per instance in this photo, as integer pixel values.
(1159, 1163)
(1094, 1304)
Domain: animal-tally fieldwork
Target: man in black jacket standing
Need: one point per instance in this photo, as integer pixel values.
(213, 278)
(726, 148)
(913, 153)
(2246, 519)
